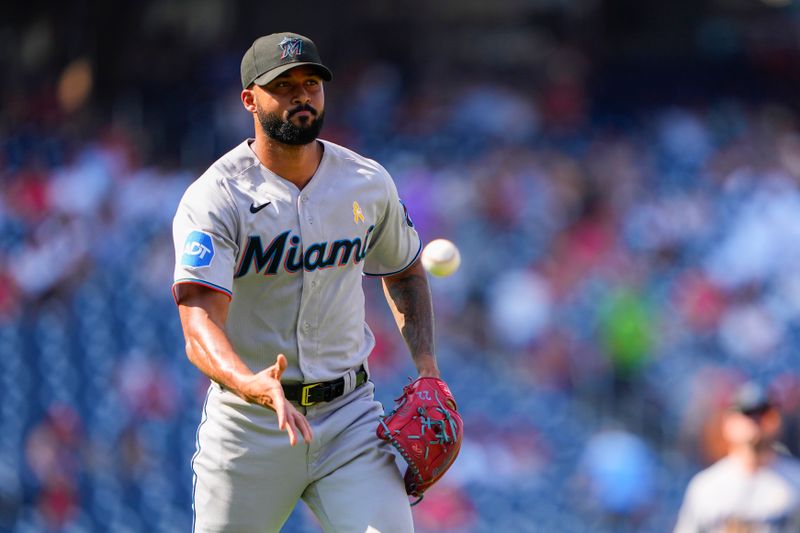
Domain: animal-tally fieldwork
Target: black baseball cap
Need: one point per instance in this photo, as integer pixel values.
(272, 55)
(751, 397)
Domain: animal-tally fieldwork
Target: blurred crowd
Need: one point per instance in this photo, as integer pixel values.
(622, 274)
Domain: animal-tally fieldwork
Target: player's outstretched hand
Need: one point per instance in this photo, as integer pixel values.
(265, 389)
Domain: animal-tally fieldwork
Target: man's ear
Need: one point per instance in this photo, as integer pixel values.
(771, 420)
(249, 100)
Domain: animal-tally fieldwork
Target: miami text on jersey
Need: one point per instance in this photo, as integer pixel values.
(294, 258)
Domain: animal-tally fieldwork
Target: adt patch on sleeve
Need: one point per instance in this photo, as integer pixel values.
(198, 251)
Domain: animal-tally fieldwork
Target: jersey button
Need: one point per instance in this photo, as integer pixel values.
(306, 326)
(304, 198)
(310, 220)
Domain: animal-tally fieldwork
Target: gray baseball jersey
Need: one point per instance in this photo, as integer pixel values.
(292, 260)
(292, 263)
(725, 497)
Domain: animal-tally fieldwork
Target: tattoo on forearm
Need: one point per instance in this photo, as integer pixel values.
(413, 309)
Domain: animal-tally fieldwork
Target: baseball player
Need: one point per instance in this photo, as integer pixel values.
(756, 487)
(271, 245)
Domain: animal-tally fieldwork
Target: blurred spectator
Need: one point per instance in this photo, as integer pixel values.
(519, 308)
(617, 473)
(494, 457)
(145, 388)
(53, 451)
(627, 332)
(10, 497)
(446, 508)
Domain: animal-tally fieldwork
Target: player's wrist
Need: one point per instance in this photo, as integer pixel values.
(245, 386)
(427, 367)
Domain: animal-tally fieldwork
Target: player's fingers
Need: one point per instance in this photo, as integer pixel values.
(291, 429)
(276, 370)
(305, 428)
(301, 425)
(279, 404)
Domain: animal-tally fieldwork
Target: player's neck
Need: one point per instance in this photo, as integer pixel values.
(752, 458)
(293, 163)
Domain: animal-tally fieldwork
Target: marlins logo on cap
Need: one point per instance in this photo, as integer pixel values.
(291, 46)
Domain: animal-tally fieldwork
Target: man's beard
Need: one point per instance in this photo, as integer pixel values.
(284, 131)
(761, 443)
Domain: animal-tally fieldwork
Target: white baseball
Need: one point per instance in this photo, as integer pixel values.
(440, 257)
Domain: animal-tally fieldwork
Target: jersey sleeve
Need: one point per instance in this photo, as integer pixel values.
(204, 235)
(395, 243)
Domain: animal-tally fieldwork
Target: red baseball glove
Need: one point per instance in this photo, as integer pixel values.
(427, 430)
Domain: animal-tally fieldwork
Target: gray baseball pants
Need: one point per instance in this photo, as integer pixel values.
(247, 478)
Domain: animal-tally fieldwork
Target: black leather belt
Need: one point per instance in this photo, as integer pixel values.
(307, 394)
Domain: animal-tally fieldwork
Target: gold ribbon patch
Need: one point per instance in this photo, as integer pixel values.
(358, 216)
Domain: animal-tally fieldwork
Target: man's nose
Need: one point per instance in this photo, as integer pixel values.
(300, 95)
